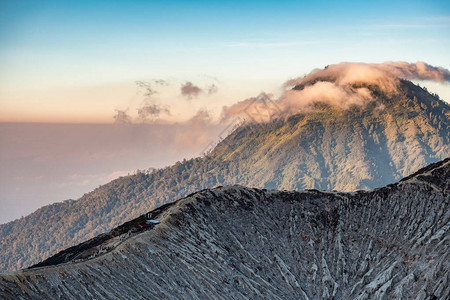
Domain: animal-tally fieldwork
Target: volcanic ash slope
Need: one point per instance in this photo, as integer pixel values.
(240, 243)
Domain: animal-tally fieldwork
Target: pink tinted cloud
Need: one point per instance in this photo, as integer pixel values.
(342, 85)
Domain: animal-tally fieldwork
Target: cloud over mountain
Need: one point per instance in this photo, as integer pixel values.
(342, 85)
(385, 75)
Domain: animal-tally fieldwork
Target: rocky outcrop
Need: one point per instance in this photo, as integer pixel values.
(240, 243)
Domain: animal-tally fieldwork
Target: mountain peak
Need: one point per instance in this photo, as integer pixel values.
(331, 148)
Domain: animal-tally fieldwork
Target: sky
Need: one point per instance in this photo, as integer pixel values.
(146, 64)
(87, 55)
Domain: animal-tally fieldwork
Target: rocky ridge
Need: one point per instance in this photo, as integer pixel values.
(240, 243)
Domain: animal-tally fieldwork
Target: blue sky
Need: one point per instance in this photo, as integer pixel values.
(47, 46)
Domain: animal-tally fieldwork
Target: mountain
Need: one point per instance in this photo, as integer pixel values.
(342, 149)
(242, 243)
(328, 148)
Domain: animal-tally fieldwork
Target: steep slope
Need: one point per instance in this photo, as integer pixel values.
(240, 243)
(345, 150)
(328, 148)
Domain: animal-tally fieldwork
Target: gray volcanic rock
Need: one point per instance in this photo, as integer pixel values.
(240, 243)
